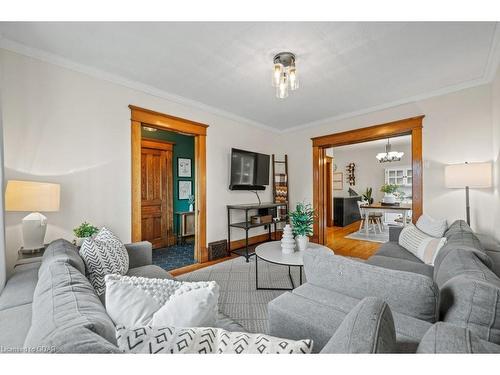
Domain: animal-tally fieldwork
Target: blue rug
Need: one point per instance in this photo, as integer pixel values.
(176, 256)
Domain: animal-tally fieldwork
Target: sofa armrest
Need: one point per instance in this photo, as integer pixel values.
(408, 293)
(140, 254)
(394, 233)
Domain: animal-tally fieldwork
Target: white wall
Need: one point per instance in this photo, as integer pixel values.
(457, 128)
(70, 128)
(368, 171)
(496, 151)
(3, 273)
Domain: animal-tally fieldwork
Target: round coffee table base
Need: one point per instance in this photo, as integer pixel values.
(289, 275)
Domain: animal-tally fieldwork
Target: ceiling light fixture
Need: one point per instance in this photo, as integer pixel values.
(284, 74)
(388, 155)
(149, 129)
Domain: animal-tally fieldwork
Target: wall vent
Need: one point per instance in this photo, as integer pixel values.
(217, 249)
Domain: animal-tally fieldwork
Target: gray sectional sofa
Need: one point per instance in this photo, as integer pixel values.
(460, 291)
(48, 305)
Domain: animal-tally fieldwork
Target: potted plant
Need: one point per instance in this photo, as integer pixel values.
(389, 190)
(191, 203)
(302, 220)
(84, 231)
(367, 196)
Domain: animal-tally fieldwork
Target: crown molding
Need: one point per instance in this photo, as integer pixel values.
(54, 59)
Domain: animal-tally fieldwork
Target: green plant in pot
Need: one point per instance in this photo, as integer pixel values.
(84, 231)
(367, 196)
(302, 220)
(389, 190)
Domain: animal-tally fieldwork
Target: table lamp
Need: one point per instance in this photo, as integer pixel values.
(30, 196)
(468, 175)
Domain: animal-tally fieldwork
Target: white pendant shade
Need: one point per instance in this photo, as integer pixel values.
(32, 196)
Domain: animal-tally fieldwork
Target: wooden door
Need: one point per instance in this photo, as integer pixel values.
(328, 190)
(156, 193)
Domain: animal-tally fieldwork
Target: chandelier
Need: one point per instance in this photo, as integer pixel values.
(388, 155)
(284, 74)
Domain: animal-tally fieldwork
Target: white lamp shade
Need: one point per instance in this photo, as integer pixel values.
(474, 175)
(32, 196)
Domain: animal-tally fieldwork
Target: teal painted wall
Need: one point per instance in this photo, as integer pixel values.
(183, 148)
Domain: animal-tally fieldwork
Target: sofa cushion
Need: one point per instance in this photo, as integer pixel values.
(151, 271)
(62, 251)
(473, 301)
(401, 265)
(393, 249)
(420, 244)
(78, 340)
(293, 316)
(368, 328)
(20, 287)
(64, 300)
(445, 338)
(15, 323)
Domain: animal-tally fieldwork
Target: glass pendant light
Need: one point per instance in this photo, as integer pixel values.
(282, 89)
(294, 81)
(284, 74)
(278, 69)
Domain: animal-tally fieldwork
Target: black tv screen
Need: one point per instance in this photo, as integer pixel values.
(249, 170)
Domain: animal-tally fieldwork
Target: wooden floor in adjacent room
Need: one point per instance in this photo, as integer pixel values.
(335, 239)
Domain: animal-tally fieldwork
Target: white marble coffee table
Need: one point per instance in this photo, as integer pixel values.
(271, 252)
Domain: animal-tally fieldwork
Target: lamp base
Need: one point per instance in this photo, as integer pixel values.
(34, 227)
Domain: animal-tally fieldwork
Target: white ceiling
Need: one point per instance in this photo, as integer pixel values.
(344, 68)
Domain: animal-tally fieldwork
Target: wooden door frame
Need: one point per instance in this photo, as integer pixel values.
(141, 116)
(329, 194)
(409, 126)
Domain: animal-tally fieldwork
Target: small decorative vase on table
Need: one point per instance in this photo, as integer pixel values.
(302, 220)
(389, 190)
(191, 203)
(287, 241)
(84, 231)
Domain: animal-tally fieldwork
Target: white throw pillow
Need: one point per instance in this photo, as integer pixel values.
(138, 301)
(103, 255)
(432, 227)
(171, 340)
(421, 245)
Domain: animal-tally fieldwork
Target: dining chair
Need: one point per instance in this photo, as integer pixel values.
(374, 218)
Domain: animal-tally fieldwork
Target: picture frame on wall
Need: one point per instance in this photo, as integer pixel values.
(185, 190)
(338, 181)
(184, 167)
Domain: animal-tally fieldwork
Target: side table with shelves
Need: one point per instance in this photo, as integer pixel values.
(269, 208)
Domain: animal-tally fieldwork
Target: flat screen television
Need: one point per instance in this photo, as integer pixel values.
(249, 170)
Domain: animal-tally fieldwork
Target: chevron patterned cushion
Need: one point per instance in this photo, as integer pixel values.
(171, 340)
(103, 255)
(138, 301)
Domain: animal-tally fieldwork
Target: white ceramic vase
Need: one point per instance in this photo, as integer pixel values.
(79, 241)
(191, 207)
(287, 241)
(302, 242)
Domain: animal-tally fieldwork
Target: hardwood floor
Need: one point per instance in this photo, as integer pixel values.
(335, 240)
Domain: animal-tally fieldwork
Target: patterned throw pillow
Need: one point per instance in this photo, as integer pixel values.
(139, 301)
(421, 245)
(432, 227)
(103, 255)
(171, 340)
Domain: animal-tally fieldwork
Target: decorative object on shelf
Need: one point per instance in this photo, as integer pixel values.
(352, 192)
(184, 167)
(261, 219)
(191, 203)
(389, 156)
(338, 181)
(389, 190)
(351, 179)
(287, 241)
(185, 189)
(84, 231)
(284, 74)
(468, 175)
(31, 196)
(302, 220)
(367, 196)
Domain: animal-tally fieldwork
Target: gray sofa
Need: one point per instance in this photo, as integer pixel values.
(48, 305)
(460, 290)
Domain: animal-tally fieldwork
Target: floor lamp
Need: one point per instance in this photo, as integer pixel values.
(468, 175)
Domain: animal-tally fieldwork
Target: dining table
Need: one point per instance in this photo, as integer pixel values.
(401, 208)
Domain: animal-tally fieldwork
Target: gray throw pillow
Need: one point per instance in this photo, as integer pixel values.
(368, 328)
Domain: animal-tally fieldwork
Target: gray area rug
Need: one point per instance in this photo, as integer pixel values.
(371, 236)
(239, 298)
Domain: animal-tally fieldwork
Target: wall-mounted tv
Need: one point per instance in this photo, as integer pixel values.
(249, 170)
